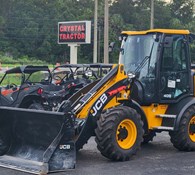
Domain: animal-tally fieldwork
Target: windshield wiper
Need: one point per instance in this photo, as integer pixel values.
(144, 61)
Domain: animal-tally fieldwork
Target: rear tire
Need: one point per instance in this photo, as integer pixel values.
(119, 133)
(37, 106)
(184, 138)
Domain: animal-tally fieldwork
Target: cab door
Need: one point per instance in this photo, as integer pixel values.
(174, 69)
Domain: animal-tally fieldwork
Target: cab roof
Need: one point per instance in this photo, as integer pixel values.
(27, 69)
(167, 31)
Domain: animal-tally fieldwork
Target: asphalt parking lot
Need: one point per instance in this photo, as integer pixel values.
(156, 158)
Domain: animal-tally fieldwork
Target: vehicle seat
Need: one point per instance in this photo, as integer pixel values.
(5, 100)
(167, 63)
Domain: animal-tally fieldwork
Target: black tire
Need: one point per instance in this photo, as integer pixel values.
(37, 106)
(112, 133)
(184, 138)
(148, 137)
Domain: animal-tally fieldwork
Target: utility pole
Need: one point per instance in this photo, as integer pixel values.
(99, 43)
(152, 15)
(106, 34)
(95, 32)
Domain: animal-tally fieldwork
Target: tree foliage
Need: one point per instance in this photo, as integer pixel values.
(29, 27)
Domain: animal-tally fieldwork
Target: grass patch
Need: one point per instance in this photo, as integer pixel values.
(9, 79)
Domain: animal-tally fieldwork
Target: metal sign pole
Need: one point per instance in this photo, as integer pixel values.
(152, 15)
(95, 32)
(106, 32)
(73, 53)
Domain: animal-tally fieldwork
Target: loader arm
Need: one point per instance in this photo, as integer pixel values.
(116, 79)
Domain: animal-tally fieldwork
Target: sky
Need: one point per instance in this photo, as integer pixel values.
(167, 0)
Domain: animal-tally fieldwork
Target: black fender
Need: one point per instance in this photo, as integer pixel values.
(133, 104)
(27, 100)
(179, 109)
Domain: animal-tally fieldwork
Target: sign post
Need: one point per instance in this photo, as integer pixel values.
(74, 33)
(73, 53)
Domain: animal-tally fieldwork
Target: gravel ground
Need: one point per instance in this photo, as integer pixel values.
(156, 158)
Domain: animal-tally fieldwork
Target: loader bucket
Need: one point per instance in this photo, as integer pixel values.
(37, 142)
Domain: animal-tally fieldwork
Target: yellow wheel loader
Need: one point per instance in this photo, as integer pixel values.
(151, 91)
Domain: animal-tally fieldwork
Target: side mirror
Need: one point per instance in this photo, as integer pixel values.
(168, 41)
(111, 46)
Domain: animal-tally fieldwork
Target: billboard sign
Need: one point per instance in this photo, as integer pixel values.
(78, 32)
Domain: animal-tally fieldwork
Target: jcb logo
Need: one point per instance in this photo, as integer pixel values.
(99, 104)
(64, 146)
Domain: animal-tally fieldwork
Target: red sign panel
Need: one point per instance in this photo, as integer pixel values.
(72, 32)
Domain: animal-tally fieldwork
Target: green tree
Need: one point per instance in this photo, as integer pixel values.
(162, 15)
(30, 27)
(183, 10)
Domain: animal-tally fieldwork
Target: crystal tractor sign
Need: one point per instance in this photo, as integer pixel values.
(74, 33)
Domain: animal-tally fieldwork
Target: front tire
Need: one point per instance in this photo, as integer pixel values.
(184, 138)
(119, 133)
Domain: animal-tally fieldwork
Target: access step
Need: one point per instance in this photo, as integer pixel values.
(166, 116)
(164, 128)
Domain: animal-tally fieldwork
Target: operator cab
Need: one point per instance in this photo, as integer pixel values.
(160, 60)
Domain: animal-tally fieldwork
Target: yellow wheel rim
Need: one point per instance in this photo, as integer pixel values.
(126, 134)
(191, 133)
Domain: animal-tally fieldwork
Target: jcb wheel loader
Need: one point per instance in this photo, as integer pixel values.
(151, 91)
